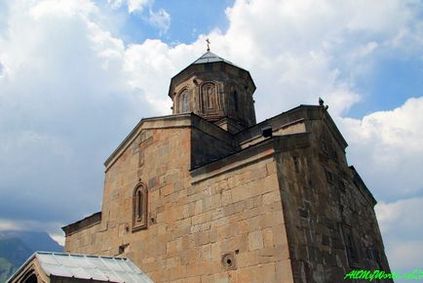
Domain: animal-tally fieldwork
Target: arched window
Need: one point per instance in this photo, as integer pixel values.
(140, 203)
(209, 96)
(184, 101)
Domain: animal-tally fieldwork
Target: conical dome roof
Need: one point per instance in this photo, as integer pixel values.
(210, 57)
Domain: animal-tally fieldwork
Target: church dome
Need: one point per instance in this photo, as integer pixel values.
(217, 90)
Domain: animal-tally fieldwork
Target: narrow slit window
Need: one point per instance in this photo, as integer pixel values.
(139, 208)
(139, 204)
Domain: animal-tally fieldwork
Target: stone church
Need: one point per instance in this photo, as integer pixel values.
(209, 195)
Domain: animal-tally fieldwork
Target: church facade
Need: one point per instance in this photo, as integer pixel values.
(209, 195)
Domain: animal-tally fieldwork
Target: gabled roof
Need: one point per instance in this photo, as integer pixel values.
(210, 57)
(100, 268)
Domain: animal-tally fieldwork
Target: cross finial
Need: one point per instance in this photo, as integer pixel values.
(208, 44)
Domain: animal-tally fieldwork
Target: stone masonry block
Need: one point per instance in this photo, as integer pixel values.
(255, 240)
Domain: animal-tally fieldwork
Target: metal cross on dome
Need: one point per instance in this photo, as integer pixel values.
(208, 44)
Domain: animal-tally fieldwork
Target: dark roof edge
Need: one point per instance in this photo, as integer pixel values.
(79, 225)
(335, 128)
(362, 186)
(204, 56)
(223, 61)
(301, 107)
(266, 121)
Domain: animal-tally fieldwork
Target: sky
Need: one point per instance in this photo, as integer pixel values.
(77, 75)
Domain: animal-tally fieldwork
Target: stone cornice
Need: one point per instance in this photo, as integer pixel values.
(254, 153)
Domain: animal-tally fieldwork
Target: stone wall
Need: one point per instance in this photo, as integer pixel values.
(84, 239)
(240, 214)
(160, 159)
(285, 208)
(224, 223)
(206, 148)
(331, 224)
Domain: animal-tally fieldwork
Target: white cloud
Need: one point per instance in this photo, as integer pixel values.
(160, 20)
(309, 48)
(64, 8)
(29, 225)
(397, 217)
(133, 5)
(386, 147)
(63, 81)
(8, 225)
(59, 238)
(402, 227)
(2, 70)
